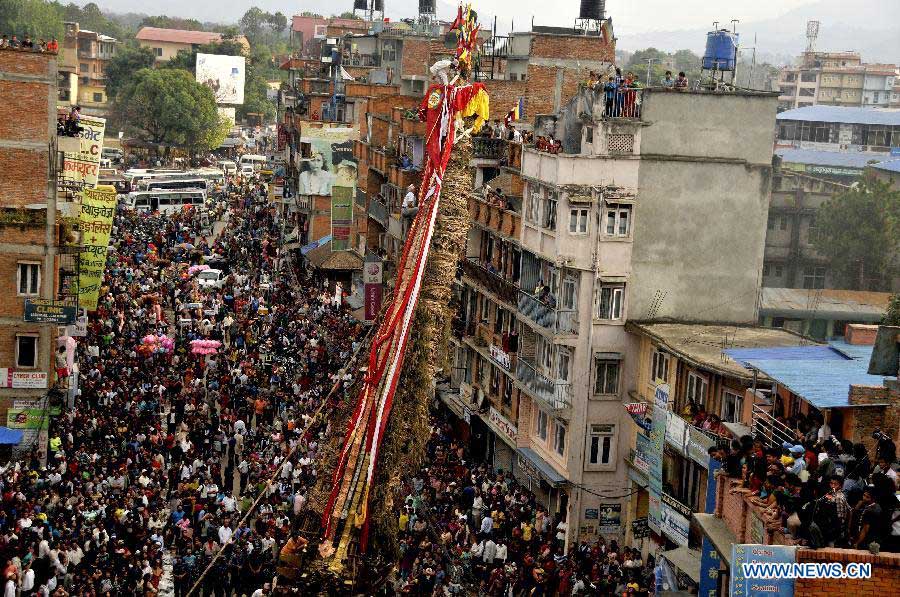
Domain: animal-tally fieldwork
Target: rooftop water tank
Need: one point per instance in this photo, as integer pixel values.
(721, 50)
(360, 5)
(378, 5)
(592, 9)
(427, 7)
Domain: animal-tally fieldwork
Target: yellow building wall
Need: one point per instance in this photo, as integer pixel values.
(169, 49)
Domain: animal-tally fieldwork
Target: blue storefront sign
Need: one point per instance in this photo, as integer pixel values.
(742, 586)
(709, 557)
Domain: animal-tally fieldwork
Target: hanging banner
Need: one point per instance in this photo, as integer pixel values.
(655, 455)
(83, 168)
(372, 287)
(341, 217)
(98, 206)
(698, 445)
(676, 431)
(34, 424)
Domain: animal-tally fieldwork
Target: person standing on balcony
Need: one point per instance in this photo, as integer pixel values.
(409, 209)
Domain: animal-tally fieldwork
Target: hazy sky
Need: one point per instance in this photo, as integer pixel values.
(641, 15)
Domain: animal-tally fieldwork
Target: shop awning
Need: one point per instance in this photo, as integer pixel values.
(324, 258)
(685, 559)
(547, 472)
(10, 437)
(719, 534)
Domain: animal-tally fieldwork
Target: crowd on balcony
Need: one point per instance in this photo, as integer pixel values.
(466, 530)
(820, 490)
(495, 197)
(29, 45)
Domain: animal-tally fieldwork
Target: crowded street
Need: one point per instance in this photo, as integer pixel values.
(191, 399)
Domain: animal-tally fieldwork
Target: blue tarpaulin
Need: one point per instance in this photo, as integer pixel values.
(10, 436)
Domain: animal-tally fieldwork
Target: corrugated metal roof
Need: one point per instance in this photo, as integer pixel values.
(849, 159)
(842, 114)
(822, 376)
(888, 166)
(824, 304)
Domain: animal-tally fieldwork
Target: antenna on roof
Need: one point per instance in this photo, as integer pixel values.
(812, 33)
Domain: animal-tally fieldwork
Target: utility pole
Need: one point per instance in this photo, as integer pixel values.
(649, 61)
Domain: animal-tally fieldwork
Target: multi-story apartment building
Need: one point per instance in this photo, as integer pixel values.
(614, 228)
(836, 79)
(30, 254)
(82, 69)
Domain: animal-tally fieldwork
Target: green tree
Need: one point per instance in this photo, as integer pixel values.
(126, 62)
(37, 18)
(892, 315)
(252, 24)
(349, 14)
(168, 106)
(166, 22)
(858, 231)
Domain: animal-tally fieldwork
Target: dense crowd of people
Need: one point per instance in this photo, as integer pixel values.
(149, 475)
(466, 529)
(818, 489)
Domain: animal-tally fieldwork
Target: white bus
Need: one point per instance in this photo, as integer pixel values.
(250, 159)
(165, 202)
(174, 184)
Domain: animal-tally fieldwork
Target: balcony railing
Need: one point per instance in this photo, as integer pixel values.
(769, 429)
(554, 393)
(625, 104)
(489, 149)
(563, 321)
(504, 221)
(362, 60)
(379, 211)
(504, 289)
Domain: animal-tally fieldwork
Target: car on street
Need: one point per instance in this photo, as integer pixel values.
(211, 278)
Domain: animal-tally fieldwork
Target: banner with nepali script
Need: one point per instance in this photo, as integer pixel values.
(98, 206)
(82, 169)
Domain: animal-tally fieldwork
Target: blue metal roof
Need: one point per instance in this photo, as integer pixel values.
(853, 159)
(889, 166)
(842, 114)
(821, 375)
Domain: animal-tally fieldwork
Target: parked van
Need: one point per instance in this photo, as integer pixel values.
(229, 168)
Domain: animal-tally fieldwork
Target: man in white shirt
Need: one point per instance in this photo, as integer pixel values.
(409, 209)
(225, 534)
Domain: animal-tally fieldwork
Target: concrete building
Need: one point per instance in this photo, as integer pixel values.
(830, 128)
(822, 314)
(612, 229)
(166, 43)
(31, 235)
(82, 69)
(836, 79)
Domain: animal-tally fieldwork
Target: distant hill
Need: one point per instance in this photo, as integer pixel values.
(866, 26)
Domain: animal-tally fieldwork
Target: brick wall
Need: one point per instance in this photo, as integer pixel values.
(505, 95)
(861, 334)
(885, 574)
(577, 47)
(414, 57)
(863, 421)
(28, 87)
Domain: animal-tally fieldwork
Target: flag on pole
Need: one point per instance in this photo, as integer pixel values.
(517, 113)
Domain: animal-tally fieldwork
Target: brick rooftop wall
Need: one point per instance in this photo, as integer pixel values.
(885, 579)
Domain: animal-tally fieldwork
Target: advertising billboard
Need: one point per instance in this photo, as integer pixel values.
(82, 169)
(331, 162)
(225, 75)
(98, 206)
